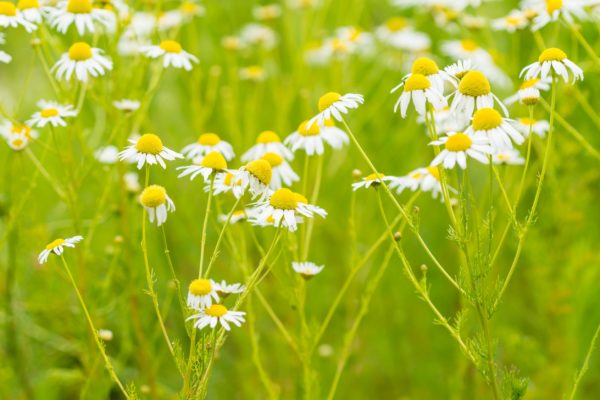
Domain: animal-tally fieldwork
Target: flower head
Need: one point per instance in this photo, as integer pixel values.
(207, 143)
(311, 138)
(156, 202)
(202, 293)
(474, 92)
(500, 132)
(307, 269)
(553, 61)
(267, 142)
(333, 105)
(51, 113)
(80, 13)
(373, 180)
(212, 163)
(283, 207)
(419, 89)
(215, 314)
(171, 53)
(82, 61)
(57, 247)
(148, 148)
(459, 145)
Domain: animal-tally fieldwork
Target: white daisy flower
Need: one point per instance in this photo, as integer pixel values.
(539, 127)
(420, 90)
(459, 145)
(311, 139)
(282, 208)
(552, 10)
(12, 17)
(207, 143)
(172, 54)
(427, 67)
(212, 163)
(333, 105)
(465, 50)
(57, 247)
(499, 131)
(31, 10)
(17, 141)
(283, 174)
(307, 269)
(148, 148)
(126, 105)
(529, 91)
(267, 142)
(202, 293)
(228, 181)
(424, 179)
(508, 157)
(51, 113)
(80, 13)
(224, 289)
(237, 216)
(8, 128)
(254, 176)
(460, 68)
(553, 61)
(258, 35)
(107, 155)
(215, 314)
(396, 32)
(373, 180)
(155, 200)
(474, 92)
(514, 21)
(82, 61)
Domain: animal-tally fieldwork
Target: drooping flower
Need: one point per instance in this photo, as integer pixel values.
(157, 203)
(57, 247)
(333, 105)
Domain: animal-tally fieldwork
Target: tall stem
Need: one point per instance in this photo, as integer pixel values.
(205, 225)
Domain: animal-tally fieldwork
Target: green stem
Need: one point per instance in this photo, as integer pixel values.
(205, 225)
(586, 363)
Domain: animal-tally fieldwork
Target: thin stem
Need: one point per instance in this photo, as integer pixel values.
(221, 235)
(94, 331)
(586, 363)
(205, 225)
(581, 39)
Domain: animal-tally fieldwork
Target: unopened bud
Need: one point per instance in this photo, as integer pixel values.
(35, 42)
(423, 268)
(397, 236)
(356, 174)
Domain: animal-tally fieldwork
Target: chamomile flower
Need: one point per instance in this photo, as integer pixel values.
(255, 176)
(553, 61)
(465, 50)
(513, 22)
(215, 314)
(224, 289)
(202, 293)
(257, 35)
(212, 163)
(282, 208)
(283, 174)
(8, 128)
(82, 61)
(12, 17)
(148, 148)
(107, 154)
(373, 180)
(80, 13)
(17, 141)
(157, 203)
(499, 131)
(228, 181)
(267, 142)
(51, 113)
(57, 247)
(459, 145)
(460, 68)
(126, 105)
(529, 91)
(424, 179)
(474, 92)
(31, 10)
(539, 127)
(552, 10)
(237, 216)
(508, 157)
(333, 104)
(311, 139)
(307, 269)
(396, 32)
(207, 143)
(171, 53)
(429, 68)
(419, 89)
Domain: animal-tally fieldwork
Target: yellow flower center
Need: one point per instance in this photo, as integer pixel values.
(339, 45)
(8, 9)
(486, 119)
(424, 66)
(329, 122)
(149, 143)
(153, 196)
(468, 45)
(79, 6)
(18, 142)
(396, 24)
(261, 170)
(254, 71)
(209, 139)
(189, 8)
(527, 121)
(54, 244)
(300, 198)
(216, 310)
(435, 172)
(328, 99)
(314, 129)
(200, 287)
(228, 178)
(170, 46)
(458, 142)
(268, 137)
(553, 5)
(512, 21)
(49, 112)
(22, 129)
(214, 160)
(274, 159)
(26, 4)
(416, 82)
(416, 175)
(552, 54)
(474, 84)
(529, 83)
(374, 177)
(284, 199)
(80, 51)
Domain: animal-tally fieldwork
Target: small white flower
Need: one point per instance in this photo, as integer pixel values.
(499, 131)
(105, 334)
(282, 208)
(80, 13)
(12, 17)
(514, 21)
(282, 172)
(237, 216)
(172, 54)
(202, 293)
(539, 127)
(552, 10)
(459, 145)
(333, 105)
(254, 177)
(529, 91)
(508, 157)
(17, 141)
(157, 203)
(215, 314)
(224, 289)
(423, 179)
(82, 61)
(266, 12)
(307, 269)
(107, 155)
(419, 89)
(51, 113)
(258, 35)
(311, 139)
(396, 32)
(474, 92)
(372, 180)
(148, 148)
(229, 181)
(212, 163)
(126, 105)
(553, 61)
(267, 142)
(57, 247)
(207, 143)
(31, 10)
